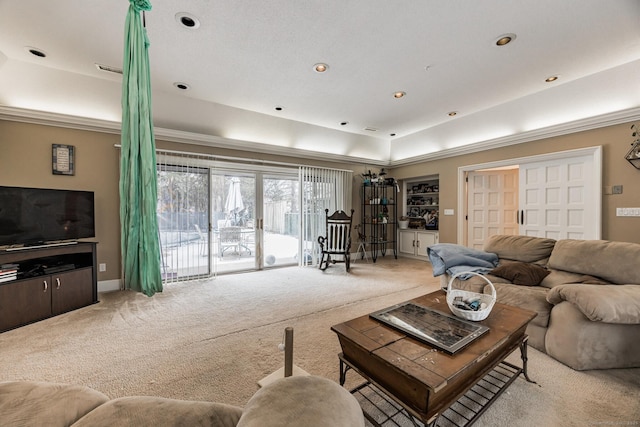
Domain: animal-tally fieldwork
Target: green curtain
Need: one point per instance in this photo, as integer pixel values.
(138, 176)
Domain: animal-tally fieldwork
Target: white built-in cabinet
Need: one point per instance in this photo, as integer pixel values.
(414, 243)
(421, 206)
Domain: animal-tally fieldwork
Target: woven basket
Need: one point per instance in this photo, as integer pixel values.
(488, 299)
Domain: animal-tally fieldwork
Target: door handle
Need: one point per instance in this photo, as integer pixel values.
(57, 283)
(45, 286)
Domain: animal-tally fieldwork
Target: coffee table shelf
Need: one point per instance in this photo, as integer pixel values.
(380, 410)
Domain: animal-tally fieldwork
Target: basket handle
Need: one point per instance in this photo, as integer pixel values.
(493, 289)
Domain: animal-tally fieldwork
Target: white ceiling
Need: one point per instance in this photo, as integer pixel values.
(247, 57)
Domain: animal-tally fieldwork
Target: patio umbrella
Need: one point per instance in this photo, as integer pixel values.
(138, 180)
(234, 203)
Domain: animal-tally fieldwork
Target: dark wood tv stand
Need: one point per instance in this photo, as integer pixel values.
(51, 280)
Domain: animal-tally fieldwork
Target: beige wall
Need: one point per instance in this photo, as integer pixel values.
(26, 161)
(615, 141)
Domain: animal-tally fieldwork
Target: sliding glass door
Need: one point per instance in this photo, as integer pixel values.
(233, 226)
(281, 218)
(221, 217)
(183, 221)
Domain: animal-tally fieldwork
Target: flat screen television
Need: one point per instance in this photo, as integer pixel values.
(30, 216)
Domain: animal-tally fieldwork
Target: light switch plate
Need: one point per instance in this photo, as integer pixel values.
(627, 211)
(449, 212)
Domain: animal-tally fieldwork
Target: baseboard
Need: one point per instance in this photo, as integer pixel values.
(109, 285)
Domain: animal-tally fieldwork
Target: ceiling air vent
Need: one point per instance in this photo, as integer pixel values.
(109, 68)
(371, 129)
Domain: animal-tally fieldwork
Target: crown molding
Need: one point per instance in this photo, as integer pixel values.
(169, 135)
(604, 120)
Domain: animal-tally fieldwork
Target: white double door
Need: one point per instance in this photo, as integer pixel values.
(554, 198)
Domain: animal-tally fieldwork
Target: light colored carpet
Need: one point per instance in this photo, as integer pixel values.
(213, 340)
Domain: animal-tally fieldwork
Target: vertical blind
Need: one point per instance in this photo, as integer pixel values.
(184, 215)
(184, 210)
(320, 189)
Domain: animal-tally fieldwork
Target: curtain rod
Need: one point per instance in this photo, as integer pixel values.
(239, 159)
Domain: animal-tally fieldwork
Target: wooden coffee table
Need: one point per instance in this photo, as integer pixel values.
(426, 381)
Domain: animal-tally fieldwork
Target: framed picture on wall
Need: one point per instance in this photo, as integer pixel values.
(63, 158)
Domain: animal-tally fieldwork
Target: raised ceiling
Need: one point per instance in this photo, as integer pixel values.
(249, 69)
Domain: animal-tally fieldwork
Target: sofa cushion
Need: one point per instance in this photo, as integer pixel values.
(590, 280)
(308, 401)
(521, 273)
(520, 248)
(160, 412)
(560, 277)
(603, 303)
(532, 298)
(615, 262)
(31, 403)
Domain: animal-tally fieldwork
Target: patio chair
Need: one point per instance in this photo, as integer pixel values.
(229, 237)
(337, 240)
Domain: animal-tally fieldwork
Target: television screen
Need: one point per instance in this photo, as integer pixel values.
(38, 215)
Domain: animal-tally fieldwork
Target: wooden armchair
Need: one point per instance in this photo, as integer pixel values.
(337, 240)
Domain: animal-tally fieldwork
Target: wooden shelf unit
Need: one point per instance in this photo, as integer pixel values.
(51, 280)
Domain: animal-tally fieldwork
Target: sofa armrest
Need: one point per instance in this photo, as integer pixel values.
(601, 303)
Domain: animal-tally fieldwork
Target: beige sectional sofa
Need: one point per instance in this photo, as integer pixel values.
(308, 401)
(586, 294)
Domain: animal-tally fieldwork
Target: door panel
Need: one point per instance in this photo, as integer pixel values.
(281, 213)
(556, 202)
(492, 205)
(183, 221)
(233, 196)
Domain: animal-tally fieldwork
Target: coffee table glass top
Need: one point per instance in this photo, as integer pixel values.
(433, 327)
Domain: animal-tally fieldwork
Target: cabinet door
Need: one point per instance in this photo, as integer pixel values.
(24, 301)
(423, 240)
(71, 290)
(407, 242)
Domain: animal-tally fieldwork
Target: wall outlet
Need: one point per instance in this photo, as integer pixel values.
(103, 266)
(616, 189)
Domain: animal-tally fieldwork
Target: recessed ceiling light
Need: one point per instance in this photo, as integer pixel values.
(320, 68)
(505, 39)
(452, 113)
(279, 108)
(551, 79)
(399, 95)
(36, 52)
(344, 123)
(187, 20)
(182, 86)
